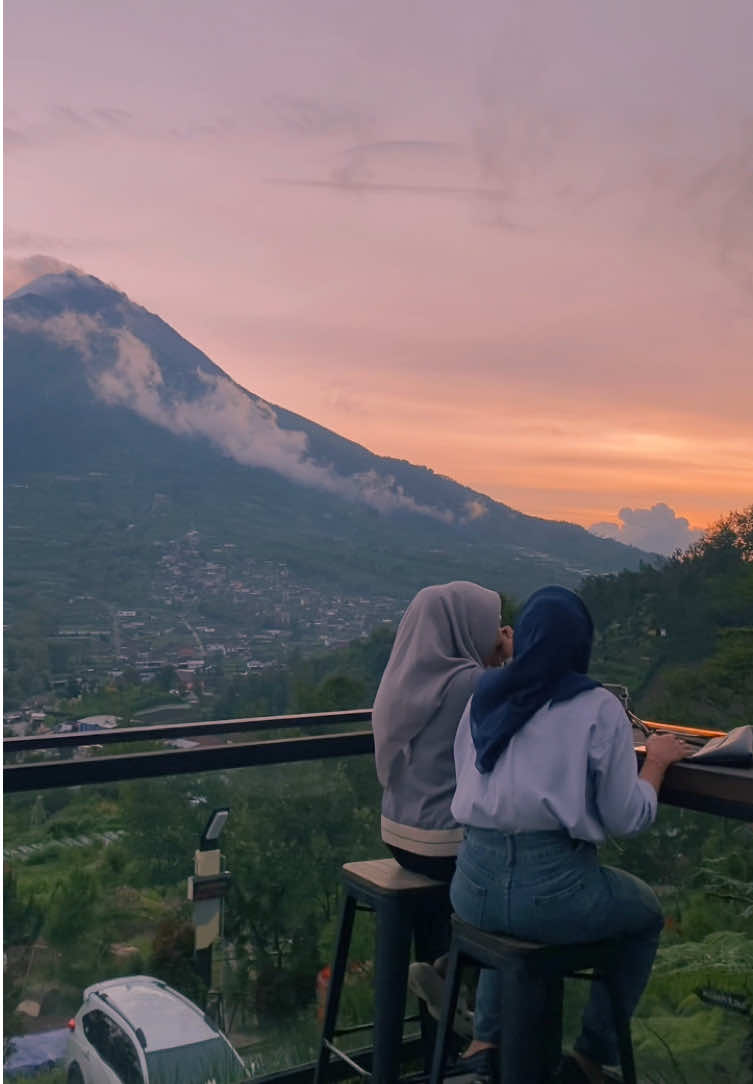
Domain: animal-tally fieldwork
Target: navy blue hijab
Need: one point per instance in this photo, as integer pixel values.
(552, 649)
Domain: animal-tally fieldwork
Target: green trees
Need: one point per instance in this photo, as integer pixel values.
(171, 956)
(164, 818)
(695, 1021)
(335, 693)
(27, 662)
(292, 828)
(681, 636)
(22, 922)
(731, 535)
(70, 907)
(76, 926)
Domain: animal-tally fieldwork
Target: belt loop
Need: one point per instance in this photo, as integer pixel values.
(510, 840)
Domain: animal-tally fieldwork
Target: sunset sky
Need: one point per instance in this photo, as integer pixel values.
(512, 241)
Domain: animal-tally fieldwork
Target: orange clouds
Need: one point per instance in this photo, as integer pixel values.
(517, 248)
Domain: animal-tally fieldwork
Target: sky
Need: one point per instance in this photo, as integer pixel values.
(513, 242)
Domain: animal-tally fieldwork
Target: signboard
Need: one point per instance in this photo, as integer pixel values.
(208, 888)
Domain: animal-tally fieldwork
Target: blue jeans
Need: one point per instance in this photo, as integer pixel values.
(547, 887)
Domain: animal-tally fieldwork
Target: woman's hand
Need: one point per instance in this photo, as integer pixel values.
(502, 648)
(661, 751)
(665, 749)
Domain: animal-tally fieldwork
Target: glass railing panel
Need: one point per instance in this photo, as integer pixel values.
(96, 888)
(694, 1023)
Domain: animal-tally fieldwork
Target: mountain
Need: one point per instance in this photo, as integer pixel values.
(121, 438)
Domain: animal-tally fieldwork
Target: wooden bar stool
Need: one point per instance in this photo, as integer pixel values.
(398, 898)
(532, 989)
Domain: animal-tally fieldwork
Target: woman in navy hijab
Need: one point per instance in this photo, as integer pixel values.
(545, 772)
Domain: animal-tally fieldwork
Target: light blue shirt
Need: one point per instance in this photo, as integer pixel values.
(572, 767)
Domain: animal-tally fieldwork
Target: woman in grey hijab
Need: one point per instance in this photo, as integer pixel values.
(448, 635)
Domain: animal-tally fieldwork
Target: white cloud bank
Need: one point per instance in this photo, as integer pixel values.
(243, 428)
(656, 529)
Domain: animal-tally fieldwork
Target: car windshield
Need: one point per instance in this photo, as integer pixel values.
(209, 1062)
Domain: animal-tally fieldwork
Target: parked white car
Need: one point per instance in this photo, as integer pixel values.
(137, 1030)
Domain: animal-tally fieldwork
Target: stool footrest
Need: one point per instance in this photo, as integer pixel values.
(413, 1019)
(347, 1059)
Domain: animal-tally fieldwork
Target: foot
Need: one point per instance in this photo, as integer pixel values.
(428, 985)
(481, 1060)
(440, 965)
(475, 1047)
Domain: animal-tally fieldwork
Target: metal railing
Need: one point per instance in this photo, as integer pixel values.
(237, 743)
(227, 751)
(725, 792)
(223, 754)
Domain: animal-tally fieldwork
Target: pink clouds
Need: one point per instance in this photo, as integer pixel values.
(655, 529)
(18, 271)
(515, 247)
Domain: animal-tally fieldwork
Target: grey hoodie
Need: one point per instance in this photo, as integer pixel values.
(438, 656)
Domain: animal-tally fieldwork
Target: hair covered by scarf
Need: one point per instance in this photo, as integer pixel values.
(446, 633)
(552, 650)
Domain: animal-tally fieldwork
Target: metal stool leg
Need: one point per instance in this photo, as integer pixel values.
(525, 1038)
(431, 939)
(622, 1027)
(552, 1022)
(393, 939)
(335, 986)
(449, 1004)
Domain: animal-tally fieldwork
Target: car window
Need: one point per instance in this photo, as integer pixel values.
(211, 1061)
(113, 1045)
(96, 1030)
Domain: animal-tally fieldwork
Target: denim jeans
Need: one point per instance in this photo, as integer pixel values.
(547, 887)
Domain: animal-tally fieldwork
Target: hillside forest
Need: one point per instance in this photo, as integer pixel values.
(95, 884)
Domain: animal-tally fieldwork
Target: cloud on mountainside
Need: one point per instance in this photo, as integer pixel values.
(18, 271)
(242, 427)
(475, 508)
(656, 529)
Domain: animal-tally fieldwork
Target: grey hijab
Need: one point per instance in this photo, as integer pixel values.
(437, 658)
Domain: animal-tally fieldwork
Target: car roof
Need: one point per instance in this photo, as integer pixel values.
(165, 1017)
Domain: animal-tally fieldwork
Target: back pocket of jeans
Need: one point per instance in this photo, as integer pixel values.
(561, 897)
(468, 897)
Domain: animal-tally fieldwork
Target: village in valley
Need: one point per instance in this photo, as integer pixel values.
(208, 611)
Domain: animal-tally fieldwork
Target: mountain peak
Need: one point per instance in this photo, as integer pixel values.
(111, 362)
(54, 282)
(70, 288)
